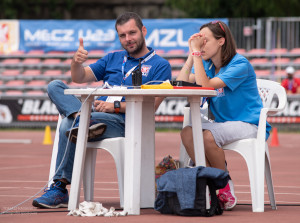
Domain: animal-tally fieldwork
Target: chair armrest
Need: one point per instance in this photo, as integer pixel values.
(273, 111)
(264, 113)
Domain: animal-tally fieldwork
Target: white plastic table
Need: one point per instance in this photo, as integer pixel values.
(139, 140)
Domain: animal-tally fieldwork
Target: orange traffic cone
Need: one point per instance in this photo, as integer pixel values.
(274, 141)
(47, 136)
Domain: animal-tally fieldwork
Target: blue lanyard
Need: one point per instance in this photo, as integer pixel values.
(132, 69)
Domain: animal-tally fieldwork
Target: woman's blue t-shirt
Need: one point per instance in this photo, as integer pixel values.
(239, 100)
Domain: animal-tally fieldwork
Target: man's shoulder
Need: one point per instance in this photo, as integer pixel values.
(160, 59)
(115, 53)
(113, 56)
(297, 80)
(284, 81)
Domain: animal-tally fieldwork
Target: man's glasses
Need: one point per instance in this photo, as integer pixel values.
(214, 22)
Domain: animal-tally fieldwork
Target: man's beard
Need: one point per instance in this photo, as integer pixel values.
(139, 46)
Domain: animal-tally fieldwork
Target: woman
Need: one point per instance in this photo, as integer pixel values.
(236, 108)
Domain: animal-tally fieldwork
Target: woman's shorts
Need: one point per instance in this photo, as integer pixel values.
(230, 131)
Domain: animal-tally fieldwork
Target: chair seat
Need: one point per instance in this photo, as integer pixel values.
(30, 72)
(29, 61)
(11, 72)
(115, 146)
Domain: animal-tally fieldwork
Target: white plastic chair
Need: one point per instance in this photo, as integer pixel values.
(115, 146)
(255, 151)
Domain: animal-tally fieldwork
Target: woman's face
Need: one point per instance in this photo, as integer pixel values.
(212, 48)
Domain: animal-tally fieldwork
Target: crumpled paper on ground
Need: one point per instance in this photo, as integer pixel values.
(92, 209)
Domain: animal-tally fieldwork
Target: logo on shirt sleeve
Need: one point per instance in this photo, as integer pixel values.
(145, 69)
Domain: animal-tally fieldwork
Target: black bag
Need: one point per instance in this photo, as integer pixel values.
(200, 201)
(189, 185)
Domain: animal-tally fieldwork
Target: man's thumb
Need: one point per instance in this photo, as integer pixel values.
(81, 43)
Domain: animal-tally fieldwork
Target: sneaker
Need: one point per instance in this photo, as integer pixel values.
(54, 197)
(190, 164)
(96, 129)
(226, 196)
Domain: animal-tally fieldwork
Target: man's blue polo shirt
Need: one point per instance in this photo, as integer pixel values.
(109, 68)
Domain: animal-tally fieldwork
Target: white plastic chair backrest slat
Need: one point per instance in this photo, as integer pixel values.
(267, 91)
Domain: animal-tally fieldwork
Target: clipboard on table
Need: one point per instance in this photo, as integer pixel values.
(184, 84)
(188, 85)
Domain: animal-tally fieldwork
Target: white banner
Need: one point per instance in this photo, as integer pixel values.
(9, 36)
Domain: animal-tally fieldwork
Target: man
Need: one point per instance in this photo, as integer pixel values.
(107, 118)
(291, 83)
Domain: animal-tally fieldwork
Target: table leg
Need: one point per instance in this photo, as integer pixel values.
(148, 154)
(133, 143)
(80, 153)
(197, 130)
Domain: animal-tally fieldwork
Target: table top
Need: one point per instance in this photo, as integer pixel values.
(144, 92)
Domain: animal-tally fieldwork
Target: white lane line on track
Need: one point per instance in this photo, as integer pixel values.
(38, 188)
(267, 202)
(24, 196)
(279, 193)
(276, 186)
(18, 156)
(21, 167)
(36, 181)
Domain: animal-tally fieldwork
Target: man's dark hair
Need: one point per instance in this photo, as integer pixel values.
(125, 17)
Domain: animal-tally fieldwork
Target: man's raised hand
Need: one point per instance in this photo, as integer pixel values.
(81, 54)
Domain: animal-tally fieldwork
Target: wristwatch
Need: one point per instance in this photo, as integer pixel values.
(117, 106)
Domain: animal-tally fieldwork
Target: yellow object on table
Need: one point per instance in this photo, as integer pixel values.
(164, 85)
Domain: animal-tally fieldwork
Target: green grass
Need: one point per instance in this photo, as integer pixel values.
(167, 130)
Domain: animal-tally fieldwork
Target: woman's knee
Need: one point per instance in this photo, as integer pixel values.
(208, 139)
(186, 132)
(186, 135)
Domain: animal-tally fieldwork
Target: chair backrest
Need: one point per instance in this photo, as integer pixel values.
(268, 90)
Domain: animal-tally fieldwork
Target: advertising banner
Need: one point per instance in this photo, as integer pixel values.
(31, 112)
(27, 112)
(63, 35)
(9, 36)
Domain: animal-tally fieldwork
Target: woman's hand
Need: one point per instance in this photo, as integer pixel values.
(103, 106)
(197, 42)
(190, 47)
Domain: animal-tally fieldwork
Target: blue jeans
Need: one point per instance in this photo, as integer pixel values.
(66, 106)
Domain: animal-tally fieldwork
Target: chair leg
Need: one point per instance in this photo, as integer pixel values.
(184, 157)
(89, 174)
(269, 181)
(119, 161)
(256, 176)
(54, 153)
(115, 147)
